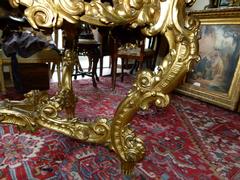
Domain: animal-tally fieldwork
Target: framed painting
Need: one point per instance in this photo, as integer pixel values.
(216, 77)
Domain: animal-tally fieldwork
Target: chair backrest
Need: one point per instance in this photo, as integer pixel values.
(104, 34)
(131, 49)
(85, 31)
(128, 43)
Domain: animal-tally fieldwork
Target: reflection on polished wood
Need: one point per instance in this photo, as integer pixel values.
(154, 16)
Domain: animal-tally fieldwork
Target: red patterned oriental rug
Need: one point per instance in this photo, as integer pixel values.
(187, 140)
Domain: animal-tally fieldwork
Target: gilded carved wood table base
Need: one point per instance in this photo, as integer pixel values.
(154, 16)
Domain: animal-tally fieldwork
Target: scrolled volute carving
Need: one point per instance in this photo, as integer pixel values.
(145, 84)
(11, 111)
(133, 146)
(43, 16)
(144, 81)
(48, 13)
(48, 113)
(134, 12)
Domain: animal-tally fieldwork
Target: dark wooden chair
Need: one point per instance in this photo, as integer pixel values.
(132, 47)
(103, 36)
(86, 45)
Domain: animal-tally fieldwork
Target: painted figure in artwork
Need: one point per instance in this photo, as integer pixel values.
(219, 51)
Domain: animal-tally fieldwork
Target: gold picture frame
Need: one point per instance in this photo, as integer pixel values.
(216, 77)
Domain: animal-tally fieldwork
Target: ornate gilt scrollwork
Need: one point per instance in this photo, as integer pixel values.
(153, 16)
(51, 13)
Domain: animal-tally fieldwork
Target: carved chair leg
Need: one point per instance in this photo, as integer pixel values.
(90, 61)
(134, 67)
(3, 89)
(122, 69)
(94, 69)
(101, 65)
(114, 71)
(140, 65)
(59, 74)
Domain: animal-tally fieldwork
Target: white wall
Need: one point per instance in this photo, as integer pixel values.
(199, 4)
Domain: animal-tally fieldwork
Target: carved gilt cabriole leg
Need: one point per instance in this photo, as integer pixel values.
(154, 16)
(126, 144)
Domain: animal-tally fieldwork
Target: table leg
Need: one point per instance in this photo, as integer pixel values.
(3, 89)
